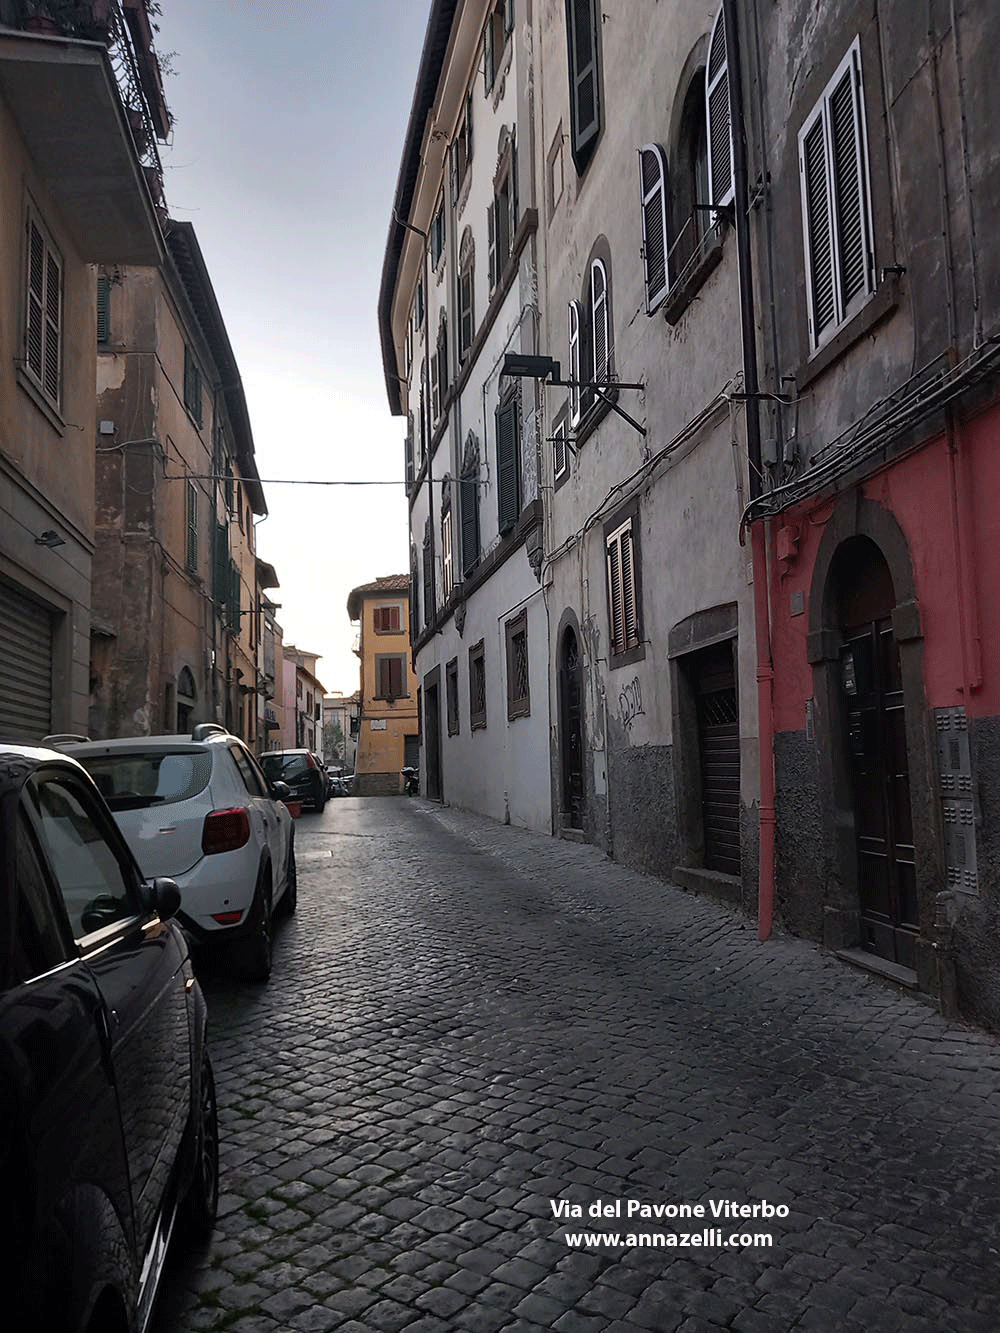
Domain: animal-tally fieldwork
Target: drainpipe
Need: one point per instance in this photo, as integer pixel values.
(758, 533)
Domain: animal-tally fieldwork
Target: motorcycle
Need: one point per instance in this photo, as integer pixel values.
(411, 781)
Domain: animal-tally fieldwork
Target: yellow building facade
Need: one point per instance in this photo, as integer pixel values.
(388, 726)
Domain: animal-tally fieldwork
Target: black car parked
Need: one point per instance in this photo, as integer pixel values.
(108, 1129)
(301, 770)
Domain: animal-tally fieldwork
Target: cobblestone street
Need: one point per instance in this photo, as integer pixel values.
(466, 1020)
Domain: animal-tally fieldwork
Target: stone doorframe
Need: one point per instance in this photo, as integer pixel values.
(855, 516)
(568, 620)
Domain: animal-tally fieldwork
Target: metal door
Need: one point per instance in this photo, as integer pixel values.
(719, 748)
(25, 667)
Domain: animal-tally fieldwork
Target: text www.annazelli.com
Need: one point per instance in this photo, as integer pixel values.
(670, 1240)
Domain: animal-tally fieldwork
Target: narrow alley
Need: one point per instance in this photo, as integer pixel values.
(467, 1021)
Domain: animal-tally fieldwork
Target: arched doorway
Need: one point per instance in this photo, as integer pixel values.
(571, 728)
(187, 698)
(877, 764)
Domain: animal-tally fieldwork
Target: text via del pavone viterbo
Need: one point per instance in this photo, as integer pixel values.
(638, 1211)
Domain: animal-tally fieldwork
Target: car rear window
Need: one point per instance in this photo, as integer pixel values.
(285, 765)
(132, 781)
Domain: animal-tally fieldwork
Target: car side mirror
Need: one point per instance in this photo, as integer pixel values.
(165, 897)
(281, 790)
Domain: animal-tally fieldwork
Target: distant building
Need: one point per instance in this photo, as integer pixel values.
(303, 697)
(271, 706)
(388, 724)
(340, 729)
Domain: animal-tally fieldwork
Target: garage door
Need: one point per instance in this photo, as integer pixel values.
(719, 742)
(25, 667)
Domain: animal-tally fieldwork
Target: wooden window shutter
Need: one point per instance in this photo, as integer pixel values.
(574, 315)
(560, 454)
(395, 677)
(584, 94)
(429, 599)
(629, 620)
(615, 609)
(469, 499)
(53, 324)
(849, 185)
(600, 327)
(717, 118)
(489, 67)
(491, 224)
(508, 464)
(35, 321)
(819, 231)
(653, 195)
(103, 310)
(392, 619)
(192, 526)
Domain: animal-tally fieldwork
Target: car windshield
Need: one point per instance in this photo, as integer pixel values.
(278, 766)
(133, 780)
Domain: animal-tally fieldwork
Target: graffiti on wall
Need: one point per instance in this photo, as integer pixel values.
(630, 702)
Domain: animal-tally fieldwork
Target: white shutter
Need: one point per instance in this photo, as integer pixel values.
(615, 610)
(653, 196)
(848, 162)
(717, 119)
(560, 458)
(629, 625)
(575, 313)
(599, 321)
(817, 229)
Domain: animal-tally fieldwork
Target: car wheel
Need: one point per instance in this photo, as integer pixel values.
(320, 804)
(290, 901)
(202, 1199)
(256, 949)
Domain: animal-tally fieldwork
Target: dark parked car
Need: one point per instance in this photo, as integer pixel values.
(108, 1130)
(301, 770)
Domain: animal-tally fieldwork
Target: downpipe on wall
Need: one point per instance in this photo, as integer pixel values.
(758, 532)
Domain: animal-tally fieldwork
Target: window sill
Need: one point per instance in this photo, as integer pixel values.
(514, 711)
(879, 306)
(595, 414)
(636, 654)
(693, 275)
(51, 413)
(477, 724)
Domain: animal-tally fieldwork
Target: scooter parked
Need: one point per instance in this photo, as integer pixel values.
(411, 781)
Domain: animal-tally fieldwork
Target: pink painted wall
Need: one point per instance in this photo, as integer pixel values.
(918, 492)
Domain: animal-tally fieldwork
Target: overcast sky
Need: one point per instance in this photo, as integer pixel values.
(289, 123)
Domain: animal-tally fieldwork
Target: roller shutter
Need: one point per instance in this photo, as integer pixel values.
(719, 743)
(25, 667)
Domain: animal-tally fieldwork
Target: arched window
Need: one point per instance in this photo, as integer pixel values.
(689, 180)
(600, 322)
(187, 697)
(720, 135)
(466, 294)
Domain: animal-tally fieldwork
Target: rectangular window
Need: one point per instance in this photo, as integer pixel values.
(469, 501)
(43, 316)
(518, 693)
(584, 89)
(192, 386)
(437, 235)
(560, 452)
(103, 310)
(836, 212)
(466, 319)
(477, 686)
(390, 676)
(451, 695)
(447, 556)
(502, 216)
(623, 611)
(499, 26)
(387, 620)
(461, 152)
(509, 459)
(192, 526)
(430, 601)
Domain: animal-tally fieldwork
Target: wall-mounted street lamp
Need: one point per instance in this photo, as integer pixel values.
(49, 538)
(546, 369)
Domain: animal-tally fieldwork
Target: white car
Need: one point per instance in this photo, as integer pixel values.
(199, 809)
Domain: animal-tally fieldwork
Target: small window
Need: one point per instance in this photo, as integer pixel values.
(720, 132)
(499, 26)
(390, 676)
(386, 619)
(44, 313)
(583, 37)
(477, 686)
(192, 387)
(509, 458)
(103, 310)
(192, 527)
(518, 692)
(836, 218)
(623, 613)
(655, 246)
(451, 695)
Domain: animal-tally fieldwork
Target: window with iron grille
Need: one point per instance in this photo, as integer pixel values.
(624, 621)
(390, 676)
(836, 216)
(103, 310)
(387, 619)
(192, 386)
(461, 152)
(509, 458)
(721, 176)
(191, 556)
(583, 36)
(477, 686)
(518, 692)
(499, 27)
(502, 213)
(451, 695)
(44, 313)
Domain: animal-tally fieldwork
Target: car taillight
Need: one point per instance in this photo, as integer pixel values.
(309, 761)
(227, 918)
(224, 831)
